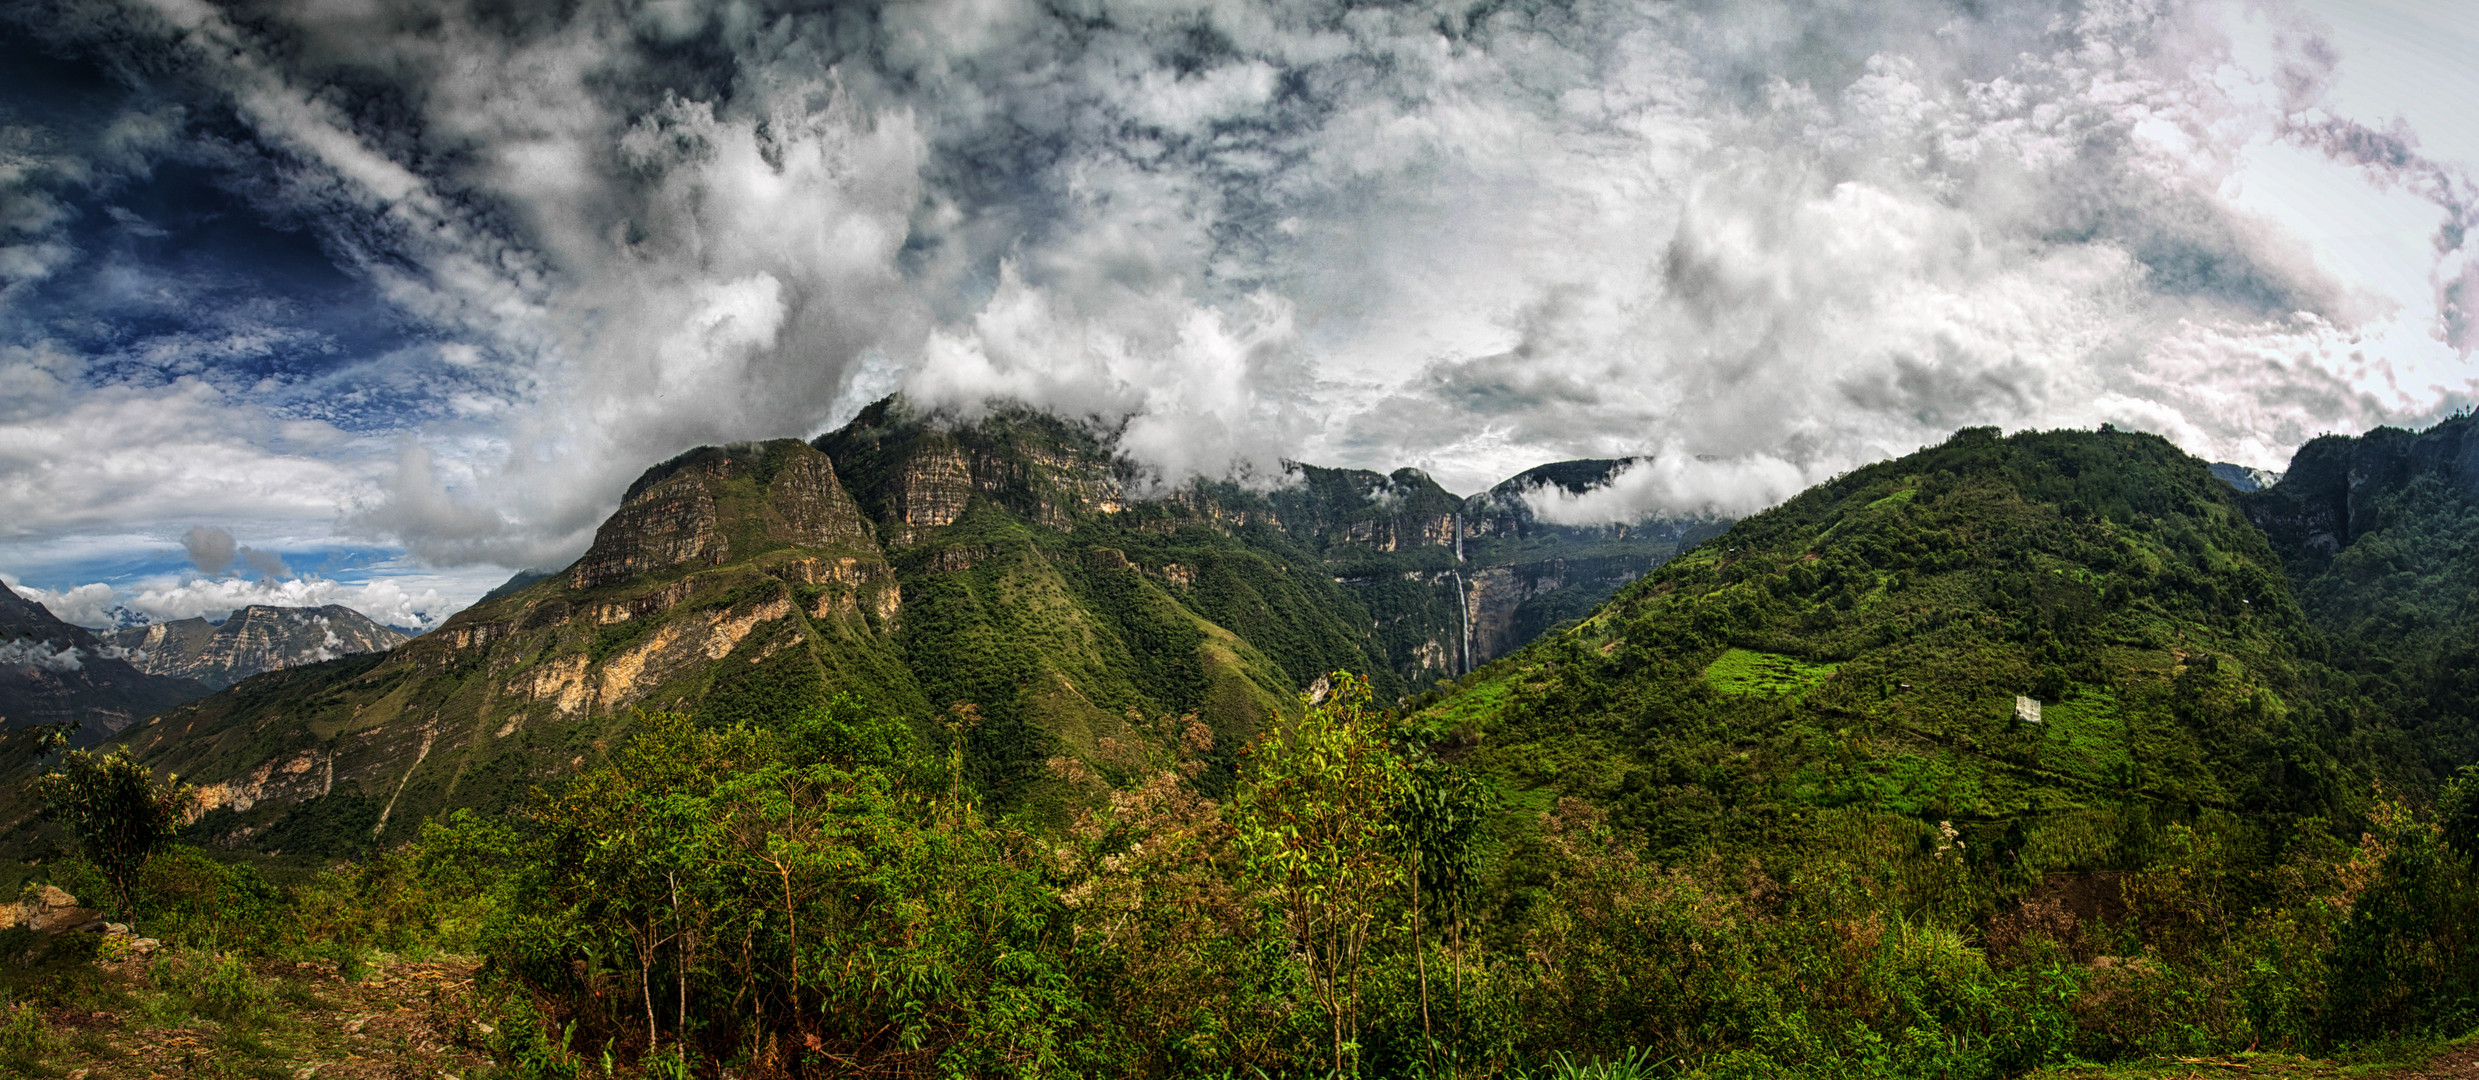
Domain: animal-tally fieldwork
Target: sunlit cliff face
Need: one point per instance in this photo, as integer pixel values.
(436, 281)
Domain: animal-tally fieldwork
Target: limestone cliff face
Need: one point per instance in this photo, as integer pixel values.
(915, 474)
(253, 639)
(812, 509)
(667, 526)
(915, 562)
(729, 577)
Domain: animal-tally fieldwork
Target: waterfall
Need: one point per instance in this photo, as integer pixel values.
(1463, 599)
(1463, 615)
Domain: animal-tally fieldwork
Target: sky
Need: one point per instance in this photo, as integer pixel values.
(372, 302)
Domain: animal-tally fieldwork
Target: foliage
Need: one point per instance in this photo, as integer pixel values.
(1771, 813)
(1739, 671)
(118, 813)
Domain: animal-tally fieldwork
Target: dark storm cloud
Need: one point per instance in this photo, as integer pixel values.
(1755, 244)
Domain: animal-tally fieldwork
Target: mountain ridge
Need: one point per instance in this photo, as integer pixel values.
(1867, 642)
(910, 563)
(254, 638)
(55, 672)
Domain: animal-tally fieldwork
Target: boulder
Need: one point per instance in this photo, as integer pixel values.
(51, 910)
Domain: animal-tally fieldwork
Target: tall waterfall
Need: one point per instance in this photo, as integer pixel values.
(1463, 613)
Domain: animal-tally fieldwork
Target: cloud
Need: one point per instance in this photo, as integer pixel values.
(90, 605)
(101, 605)
(41, 655)
(210, 549)
(1752, 245)
(1673, 485)
(214, 551)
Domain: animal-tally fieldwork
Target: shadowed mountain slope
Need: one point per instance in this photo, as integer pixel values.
(2380, 536)
(52, 672)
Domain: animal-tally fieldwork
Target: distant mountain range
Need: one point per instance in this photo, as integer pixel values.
(2243, 478)
(53, 672)
(256, 638)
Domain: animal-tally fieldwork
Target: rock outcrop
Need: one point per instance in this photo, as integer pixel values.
(256, 638)
(50, 909)
(2327, 497)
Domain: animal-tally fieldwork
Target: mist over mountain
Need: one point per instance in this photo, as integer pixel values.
(54, 673)
(911, 561)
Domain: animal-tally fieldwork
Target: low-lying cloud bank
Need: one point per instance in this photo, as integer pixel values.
(100, 605)
(1673, 485)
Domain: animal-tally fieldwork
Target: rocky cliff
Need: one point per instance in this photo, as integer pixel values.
(2379, 535)
(728, 578)
(253, 639)
(52, 672)
(904, 564)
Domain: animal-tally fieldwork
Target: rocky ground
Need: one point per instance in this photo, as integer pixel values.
(182, 1013)
(2458, 1060)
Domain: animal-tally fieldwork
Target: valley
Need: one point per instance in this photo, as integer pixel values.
(2011, 753)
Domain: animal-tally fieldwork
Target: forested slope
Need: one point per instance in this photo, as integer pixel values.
(1865, 644)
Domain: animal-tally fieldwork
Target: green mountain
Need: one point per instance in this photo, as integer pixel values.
(902, 565)
(2380, 534)
(1990, 632)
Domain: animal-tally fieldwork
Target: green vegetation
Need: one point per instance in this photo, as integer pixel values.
(113, 807)
(1739, 671)
(1770, 812)
(830, 897)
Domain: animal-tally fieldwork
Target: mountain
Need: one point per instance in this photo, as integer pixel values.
(2244, 478)
(518, 580)
(256, 638)
(53, 672)
(903, 564)
(2380, 536)
(1431, 583)
(1994, 632)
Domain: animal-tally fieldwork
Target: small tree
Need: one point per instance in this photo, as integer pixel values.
(1317, 822)
(119, 815)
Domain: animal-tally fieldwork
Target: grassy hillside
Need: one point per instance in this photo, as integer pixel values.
(1864, 645)
(2013, 754)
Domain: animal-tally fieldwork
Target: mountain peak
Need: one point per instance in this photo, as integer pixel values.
(255, 638)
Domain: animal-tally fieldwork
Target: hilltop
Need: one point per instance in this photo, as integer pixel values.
(1866, 643)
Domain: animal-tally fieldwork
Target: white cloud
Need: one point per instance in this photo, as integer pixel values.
(41, 654)
(89, 605)
(110, 456)
(1756, 245)
(385, 600)
(1674, 485)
